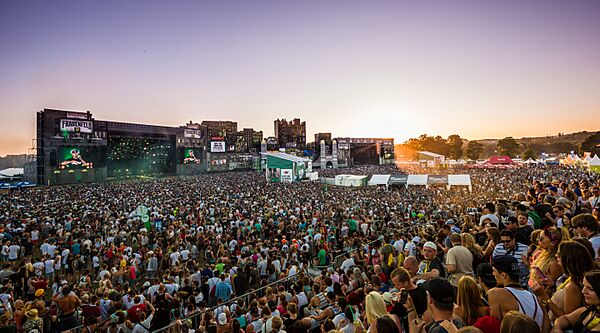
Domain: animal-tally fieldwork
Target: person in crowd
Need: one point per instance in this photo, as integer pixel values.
(516, 322)
(545, 269)
(91, 243)
(469, 304)
(510, 247)
(510, 295)
(575, 260)
(584, 318)
(440, 305)
(431, 266)
(459, 260)
(586, 225)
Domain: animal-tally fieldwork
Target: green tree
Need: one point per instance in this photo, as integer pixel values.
(508, 146)
(590, 144)
(425, 142)
(454, 146)
(530, 153)
(474, 150)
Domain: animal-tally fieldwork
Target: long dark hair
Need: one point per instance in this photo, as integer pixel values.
(576, 261)
(386, 325)
(593, 278)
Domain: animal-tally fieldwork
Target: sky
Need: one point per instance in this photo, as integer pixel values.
(480, 69)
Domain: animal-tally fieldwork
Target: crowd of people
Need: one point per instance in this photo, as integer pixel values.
(232, 253)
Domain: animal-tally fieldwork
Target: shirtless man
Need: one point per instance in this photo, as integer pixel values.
(67, 303)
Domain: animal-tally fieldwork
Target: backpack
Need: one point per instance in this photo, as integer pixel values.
(213, 290)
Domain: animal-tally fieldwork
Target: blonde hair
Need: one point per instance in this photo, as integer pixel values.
(468, 241)
(374, 307)
(469, 299)
(556, 236)
(516, 322)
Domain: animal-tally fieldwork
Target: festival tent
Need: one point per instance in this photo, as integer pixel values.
(530, 161)
(499, 160)
(398, 179)
(350, 180)
(417, 180)
(12, 173)
(379, 180)
(595, 164)
(552, 161)
(460, 180)
(437, 180)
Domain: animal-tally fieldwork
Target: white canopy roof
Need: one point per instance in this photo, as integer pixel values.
(464, 180)
(12, 172)
(417, 180)
(379, 180)
(595, 161)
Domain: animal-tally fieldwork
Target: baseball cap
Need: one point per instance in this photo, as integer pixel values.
(430, 245)
(440, 290)
(450, 221)
(553, 189)
(507, 264)
(416, 239)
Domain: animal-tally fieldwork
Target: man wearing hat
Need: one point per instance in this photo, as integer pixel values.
(510, 296)
(34, 323)
(440, 303)
(431, 266)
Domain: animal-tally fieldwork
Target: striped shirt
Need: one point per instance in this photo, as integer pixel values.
(518, 252)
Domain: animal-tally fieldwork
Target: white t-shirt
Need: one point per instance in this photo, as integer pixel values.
(39, 267)
(185, 254)
(13, 252)
(49, 265)
(174, 258)
(139, 329)
(595, 240)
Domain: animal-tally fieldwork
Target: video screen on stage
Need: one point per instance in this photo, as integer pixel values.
(73, 157)
(190, 155)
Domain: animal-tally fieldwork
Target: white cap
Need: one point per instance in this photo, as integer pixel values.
(430, 245)
(222, 319)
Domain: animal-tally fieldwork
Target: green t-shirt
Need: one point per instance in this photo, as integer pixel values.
(219, 267)
(353, 225)
(322, 257)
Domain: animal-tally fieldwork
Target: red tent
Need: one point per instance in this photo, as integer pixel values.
(500, 160)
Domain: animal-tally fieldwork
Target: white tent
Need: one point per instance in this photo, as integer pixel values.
(595, 161)
(417, 180)
(11, 172)
(350, 180)
(460, 180)
(379, 180)
(530, 161)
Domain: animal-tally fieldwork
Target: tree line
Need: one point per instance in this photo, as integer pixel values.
(455, 147)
